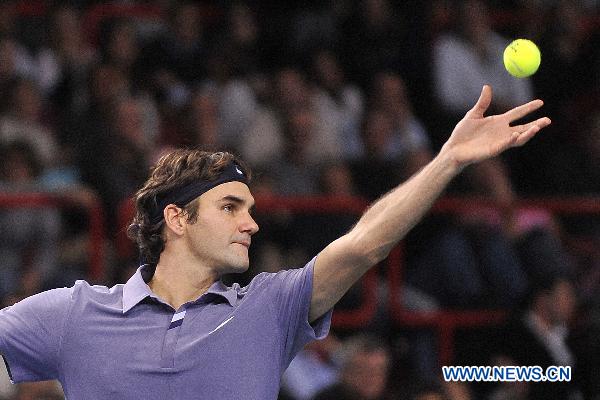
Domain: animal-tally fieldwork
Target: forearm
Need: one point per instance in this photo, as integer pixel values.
(390, 218)
(380, 228)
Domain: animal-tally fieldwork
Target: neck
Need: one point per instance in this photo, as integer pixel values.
(178, 282)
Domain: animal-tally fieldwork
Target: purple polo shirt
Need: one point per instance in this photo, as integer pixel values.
(126, 343)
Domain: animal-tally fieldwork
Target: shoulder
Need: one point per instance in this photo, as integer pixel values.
(81, 291)
(281, 280)
(283, 275)
(86, 295)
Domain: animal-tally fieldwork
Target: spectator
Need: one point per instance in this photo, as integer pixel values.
(375, 171)
(264, 140)
(313, 26)
(336, 180)
(570, 50)
(64, 62)
(237, 44)
(23, 121)
(537, 335)
(14, 63)
(410, 143)
(469, 57)
(394, 142)
(364, 363)
(29, 249)
(119, 46)
(199, 123)
(338, 103)
(296, 172)
(312, 370)
(176, 60)
(374, 39)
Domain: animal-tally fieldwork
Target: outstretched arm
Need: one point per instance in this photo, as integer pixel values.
(386, 222)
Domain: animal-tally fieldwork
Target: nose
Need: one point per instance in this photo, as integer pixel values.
(248, 225)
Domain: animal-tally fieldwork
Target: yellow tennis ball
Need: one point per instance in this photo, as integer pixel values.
(522, 58)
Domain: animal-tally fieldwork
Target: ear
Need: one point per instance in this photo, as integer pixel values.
(174, 219)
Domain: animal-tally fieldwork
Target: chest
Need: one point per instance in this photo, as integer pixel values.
(158, 353)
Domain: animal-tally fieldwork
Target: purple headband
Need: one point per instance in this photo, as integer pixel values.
(182, 195)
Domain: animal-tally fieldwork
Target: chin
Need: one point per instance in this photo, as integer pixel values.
(237, 266)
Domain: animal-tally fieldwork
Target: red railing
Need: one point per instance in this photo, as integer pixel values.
(446, 322)
(91, 206)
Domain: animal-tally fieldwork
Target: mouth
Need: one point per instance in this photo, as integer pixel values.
(246, 244)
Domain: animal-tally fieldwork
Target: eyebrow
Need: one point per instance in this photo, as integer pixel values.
(238, 200)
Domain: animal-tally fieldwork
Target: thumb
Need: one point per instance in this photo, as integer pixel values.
(484, 101)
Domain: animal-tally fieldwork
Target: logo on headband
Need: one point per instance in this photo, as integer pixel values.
(239, 171)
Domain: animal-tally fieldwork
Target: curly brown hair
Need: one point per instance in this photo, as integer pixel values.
(176, 169)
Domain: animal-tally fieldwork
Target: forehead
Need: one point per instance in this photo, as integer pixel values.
(236, 189)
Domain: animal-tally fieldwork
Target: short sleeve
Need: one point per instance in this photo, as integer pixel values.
(30, 335)
(293, 294)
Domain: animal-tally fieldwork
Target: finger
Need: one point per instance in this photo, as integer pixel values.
(522, 110)
(484, 101)
(524, 137)
(541, 122)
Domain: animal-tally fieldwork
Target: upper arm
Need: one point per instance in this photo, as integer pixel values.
(339, 266)
(30, 335)
(289, 293)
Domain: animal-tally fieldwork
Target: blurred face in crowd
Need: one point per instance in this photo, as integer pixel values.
(562, 302)
(7, 58)
(66, 28)
(337, 180)
(557, 305)
(474, 20)
(27, 101)
(301, 123)
(243, 24)
(366, 374)
(109, 84)
(187, 25)
(290, 89)
(18, 165)
(377, 12)
(129, 122)
(328, 70)
(390, 95)
(221, 236)
(378, 130)
(205, 121)
(8, 16)
(122, 45)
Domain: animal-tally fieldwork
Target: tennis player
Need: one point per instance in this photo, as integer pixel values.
(174, 330)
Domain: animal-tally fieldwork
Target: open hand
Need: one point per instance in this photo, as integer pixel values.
(476, 138)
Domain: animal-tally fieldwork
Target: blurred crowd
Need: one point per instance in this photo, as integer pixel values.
(335, 98)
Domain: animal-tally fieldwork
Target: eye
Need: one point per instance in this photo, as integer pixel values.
(228, 208)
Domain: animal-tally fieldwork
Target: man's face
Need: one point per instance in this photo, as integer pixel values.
(562, 302)
(366, 374)
(220, 237)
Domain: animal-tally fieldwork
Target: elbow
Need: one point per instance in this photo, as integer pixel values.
(366, 253)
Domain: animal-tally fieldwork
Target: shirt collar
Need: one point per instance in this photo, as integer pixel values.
(136, 289)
